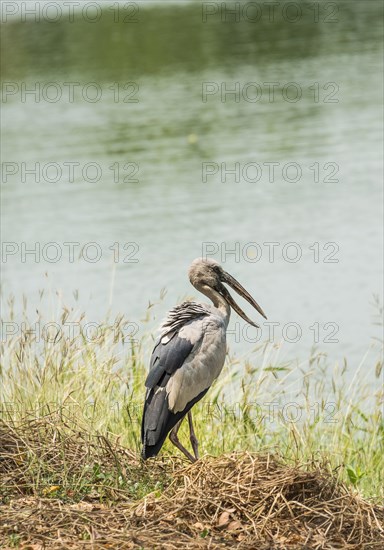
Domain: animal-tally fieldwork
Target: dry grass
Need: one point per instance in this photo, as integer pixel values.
(64, 488)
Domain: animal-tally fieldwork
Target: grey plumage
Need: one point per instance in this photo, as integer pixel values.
(181, 314)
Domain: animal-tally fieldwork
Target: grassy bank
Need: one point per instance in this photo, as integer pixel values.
(71, 411)
(65, 488)
(304, 412)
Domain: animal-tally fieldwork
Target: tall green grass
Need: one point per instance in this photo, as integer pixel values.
(305, 412)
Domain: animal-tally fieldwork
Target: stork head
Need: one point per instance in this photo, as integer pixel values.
(209, 273)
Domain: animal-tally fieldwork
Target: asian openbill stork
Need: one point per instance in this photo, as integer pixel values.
(188, 356)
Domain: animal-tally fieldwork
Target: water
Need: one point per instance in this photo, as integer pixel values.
(170, 137)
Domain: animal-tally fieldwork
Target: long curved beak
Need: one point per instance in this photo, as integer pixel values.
(231, 281)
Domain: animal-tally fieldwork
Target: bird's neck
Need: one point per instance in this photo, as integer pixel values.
(218, 301)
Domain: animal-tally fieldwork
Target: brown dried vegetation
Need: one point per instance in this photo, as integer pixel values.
(63, 488)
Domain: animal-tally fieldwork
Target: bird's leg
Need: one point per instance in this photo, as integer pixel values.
(175, 440)
(192, 437)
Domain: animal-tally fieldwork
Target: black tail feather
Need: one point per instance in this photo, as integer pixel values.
(158, 420)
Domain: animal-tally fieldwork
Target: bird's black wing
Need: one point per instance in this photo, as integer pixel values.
(158, 420)
(167, 358)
